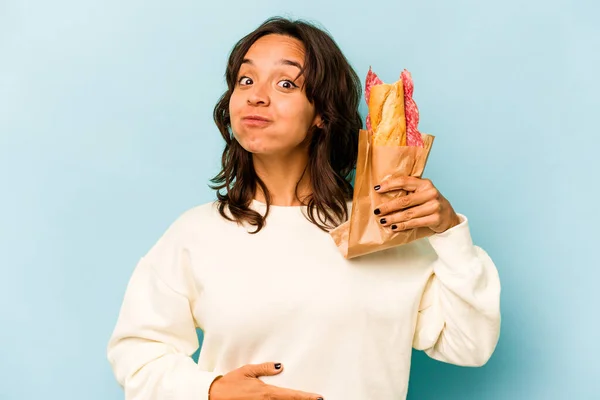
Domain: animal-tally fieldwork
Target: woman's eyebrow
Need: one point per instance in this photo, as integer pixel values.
(292, 63)
(283, 61)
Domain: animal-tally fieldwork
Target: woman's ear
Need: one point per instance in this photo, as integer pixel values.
(319, 122)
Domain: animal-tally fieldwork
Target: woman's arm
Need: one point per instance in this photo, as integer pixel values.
(155, 334)
(459, 316)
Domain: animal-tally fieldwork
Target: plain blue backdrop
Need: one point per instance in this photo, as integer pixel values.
(106, 136)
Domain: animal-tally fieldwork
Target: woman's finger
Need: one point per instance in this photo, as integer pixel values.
(278, 393)
(408, 183)
(421, 222)
(407, 201)
(423, 210)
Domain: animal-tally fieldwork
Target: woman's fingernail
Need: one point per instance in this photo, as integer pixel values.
(394, 227)
(377, 187)
(319, 398)
(377, 211)
(278, 366)
(382, 220)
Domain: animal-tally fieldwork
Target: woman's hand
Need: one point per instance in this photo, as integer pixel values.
(243, 384)
(423, 206)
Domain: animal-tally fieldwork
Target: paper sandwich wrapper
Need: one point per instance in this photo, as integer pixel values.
(363, 234)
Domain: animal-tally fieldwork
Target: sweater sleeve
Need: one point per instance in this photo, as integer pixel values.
(155, 334)
(459, 314)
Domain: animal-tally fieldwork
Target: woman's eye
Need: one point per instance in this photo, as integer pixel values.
(287, 84)
(244, 81)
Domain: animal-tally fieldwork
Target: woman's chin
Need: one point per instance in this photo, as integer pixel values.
(256, 147)
(262, 146)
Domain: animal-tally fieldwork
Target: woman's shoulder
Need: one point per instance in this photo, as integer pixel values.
(196, 218)
(202, 213)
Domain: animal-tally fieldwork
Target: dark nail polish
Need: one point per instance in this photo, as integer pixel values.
(377, 211)
(377, 187)
(394, 227)
(278, 366)
(319, 398)
(382, 220)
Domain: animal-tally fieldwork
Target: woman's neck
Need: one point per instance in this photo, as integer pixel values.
(286, 178)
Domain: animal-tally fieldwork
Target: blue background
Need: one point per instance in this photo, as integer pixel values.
(106, 136)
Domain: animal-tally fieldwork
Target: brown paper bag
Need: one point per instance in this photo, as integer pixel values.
(362, 233)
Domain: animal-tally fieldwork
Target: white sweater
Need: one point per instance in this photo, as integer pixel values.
(341, 328)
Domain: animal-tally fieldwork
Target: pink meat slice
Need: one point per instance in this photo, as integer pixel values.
(413, 136)
(372, 80)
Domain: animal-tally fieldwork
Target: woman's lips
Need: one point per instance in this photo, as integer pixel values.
(256, 121)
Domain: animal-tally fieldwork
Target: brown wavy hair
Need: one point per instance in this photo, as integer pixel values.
(333, 87)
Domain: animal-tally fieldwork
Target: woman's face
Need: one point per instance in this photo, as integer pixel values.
(269, 111)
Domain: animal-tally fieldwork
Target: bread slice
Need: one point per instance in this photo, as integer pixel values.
(379, 94)
(386, 111)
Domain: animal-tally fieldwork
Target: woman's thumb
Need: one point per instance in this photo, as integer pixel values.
(265, 369)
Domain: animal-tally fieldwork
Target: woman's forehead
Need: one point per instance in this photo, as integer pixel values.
(276, 49)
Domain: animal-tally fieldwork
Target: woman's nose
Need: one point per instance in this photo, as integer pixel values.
(259, 96)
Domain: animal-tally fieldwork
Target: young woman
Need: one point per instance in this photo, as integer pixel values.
(284, 315)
